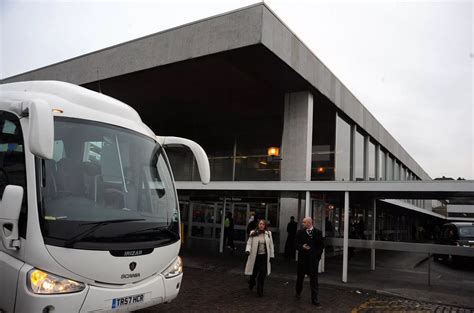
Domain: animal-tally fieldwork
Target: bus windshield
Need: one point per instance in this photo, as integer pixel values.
(106, 185)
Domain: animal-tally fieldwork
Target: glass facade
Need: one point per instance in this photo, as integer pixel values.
(359, 156)
(253, 164)
(238, 151)
(343, 150)
(324, 138)
(249, 162)
(221, 162)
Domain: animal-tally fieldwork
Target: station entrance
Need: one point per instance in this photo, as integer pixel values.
(203, 224)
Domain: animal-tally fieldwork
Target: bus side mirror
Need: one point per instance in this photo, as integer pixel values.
(198, 152)
(41, 132)
(10, 208)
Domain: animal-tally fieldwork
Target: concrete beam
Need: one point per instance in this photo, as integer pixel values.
(459, 188)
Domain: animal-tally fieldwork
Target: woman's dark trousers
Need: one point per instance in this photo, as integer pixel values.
(259, 273)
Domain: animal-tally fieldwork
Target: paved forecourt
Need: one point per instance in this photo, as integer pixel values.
(221, 291)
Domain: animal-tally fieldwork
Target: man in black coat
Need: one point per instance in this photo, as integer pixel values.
(309, 243)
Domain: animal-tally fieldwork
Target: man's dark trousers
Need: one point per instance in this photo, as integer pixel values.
(308, 260)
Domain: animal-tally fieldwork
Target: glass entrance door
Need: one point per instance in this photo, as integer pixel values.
(240, 215)
(203, 220)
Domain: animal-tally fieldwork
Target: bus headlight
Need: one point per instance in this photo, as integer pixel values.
(174, 269)
(44, 283)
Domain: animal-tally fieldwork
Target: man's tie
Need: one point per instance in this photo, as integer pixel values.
(310, 232)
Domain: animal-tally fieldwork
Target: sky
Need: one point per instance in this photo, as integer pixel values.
(411, 63)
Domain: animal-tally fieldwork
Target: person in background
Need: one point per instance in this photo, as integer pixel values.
(260, 251)
(252, 224)
(290, 240)
(309, 243)
(329, 228)
(229, 231)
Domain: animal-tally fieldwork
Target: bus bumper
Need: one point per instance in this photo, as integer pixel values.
(152, 291)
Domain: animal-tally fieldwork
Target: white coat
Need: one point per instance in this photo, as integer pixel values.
(252, 247)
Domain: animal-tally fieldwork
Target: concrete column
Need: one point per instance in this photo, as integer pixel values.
(345, 255)
(297, 141)
(386, 166)
(234, 157)
(298, 215)
(366, 157)
(307, 208)
(296, 147)
(378, 172)
(221, 239)
(289, 205)
(393, 168)
(323, 230)
(374, 228)
(353, 151)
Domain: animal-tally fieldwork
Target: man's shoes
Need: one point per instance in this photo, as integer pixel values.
(316, 303)
(251, 287)
(297, 296)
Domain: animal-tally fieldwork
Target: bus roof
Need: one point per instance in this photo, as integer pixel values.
(76, 101)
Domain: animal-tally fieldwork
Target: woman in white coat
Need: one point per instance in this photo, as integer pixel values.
(260, 250)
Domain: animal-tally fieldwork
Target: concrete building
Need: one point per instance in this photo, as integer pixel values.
(460, 212)
(239, 84)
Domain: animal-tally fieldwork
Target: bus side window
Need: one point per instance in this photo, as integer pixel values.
(12, 160)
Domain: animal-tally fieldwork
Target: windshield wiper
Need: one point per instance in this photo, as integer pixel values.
(69, 243)
(160, 229)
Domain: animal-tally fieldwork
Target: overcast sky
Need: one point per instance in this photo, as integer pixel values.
(410, 63)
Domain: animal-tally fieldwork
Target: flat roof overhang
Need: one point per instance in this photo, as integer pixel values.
(373, 189)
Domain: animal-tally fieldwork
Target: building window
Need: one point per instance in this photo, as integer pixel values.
(324, 138)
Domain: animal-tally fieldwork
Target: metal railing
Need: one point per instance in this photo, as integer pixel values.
(402, 246)
(422, 248)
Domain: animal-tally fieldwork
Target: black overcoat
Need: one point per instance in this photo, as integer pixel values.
(308, 260)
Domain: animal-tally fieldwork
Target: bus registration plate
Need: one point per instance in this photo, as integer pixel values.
(119, 302)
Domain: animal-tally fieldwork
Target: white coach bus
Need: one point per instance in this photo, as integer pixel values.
(89, 217)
